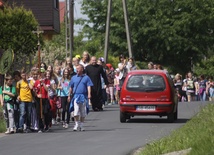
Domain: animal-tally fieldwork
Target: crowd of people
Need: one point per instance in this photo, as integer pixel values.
(63, 92)
(191, 88)
(194, 88)
(59, 93)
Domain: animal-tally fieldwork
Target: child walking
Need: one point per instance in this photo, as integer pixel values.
(6, 98)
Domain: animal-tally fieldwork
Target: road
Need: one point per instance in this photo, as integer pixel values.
(104, 134)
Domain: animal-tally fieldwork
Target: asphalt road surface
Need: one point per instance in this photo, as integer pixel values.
(104, 134)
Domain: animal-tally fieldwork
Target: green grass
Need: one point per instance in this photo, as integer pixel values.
(2, 121)
(198, 134)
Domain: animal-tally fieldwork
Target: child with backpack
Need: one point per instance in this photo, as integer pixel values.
(6, 99)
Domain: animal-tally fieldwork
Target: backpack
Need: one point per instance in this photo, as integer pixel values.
(15, 97)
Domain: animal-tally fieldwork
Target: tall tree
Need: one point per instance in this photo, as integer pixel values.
(174, 33)
(17, 25)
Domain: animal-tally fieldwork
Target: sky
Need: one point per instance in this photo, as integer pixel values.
(77, 14)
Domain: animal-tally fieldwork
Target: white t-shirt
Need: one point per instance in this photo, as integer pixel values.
(84, 64)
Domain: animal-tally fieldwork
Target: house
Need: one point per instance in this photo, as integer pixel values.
(45, 11)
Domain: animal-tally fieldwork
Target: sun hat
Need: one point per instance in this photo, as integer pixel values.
(77, 56)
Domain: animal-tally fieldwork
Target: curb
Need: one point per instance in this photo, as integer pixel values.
(181, 152)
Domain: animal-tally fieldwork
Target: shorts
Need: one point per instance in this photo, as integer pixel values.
(79, 109)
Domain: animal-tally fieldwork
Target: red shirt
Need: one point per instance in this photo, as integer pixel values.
(43, 91)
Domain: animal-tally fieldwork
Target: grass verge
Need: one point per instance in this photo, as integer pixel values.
(2, 121)
(198, 134)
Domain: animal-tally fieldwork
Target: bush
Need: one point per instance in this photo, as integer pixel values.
(2, 121)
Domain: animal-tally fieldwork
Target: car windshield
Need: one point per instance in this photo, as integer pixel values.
(146, 83)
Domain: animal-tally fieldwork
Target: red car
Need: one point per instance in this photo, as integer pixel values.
(148, 92)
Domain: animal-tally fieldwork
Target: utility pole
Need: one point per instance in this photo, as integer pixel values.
(71, 16)
(127, 28)
(67, 28)
(107, 30)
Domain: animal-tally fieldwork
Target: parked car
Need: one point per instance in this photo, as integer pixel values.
(148, 92)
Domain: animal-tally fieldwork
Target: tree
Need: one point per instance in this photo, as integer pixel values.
(173, 33)
(17, 25)
(206, 67)
(16, 28)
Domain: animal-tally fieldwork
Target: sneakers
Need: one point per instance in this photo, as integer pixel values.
(47, 129)
(82, 128)
(58, 120)
(53, 121)
(8, 131)
(27, 130)
(66, 126)
(40, 131)
(75, 127)
(36, 129)
(63, 124)
(11, 130)
(109, 103)
(20, 130)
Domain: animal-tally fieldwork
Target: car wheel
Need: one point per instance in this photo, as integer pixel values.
(122, 117)
(170, 117)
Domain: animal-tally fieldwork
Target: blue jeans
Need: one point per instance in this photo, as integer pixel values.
(203, 96)
(211, 91)
(25, 114)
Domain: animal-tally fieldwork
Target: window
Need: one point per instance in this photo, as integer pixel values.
(56, 4)
(146, 83)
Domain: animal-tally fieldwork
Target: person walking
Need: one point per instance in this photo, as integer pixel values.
(41, 87)
(80, 86)
(100, 61)
(25, 98)
(190, 85)
(57, 72)
(117, 85)
(210, 88)
(75, 62)
(85, 59)
(110, 88)
(202, 88)
(52, 95)
(64, 91)
(150, 65)
(122, 65)
(178, 85)
(94, 71)
(6, 100)
(34, 118)
(16, 78)
(131, 65)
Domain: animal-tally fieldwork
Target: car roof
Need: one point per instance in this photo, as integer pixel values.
(148, 71)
